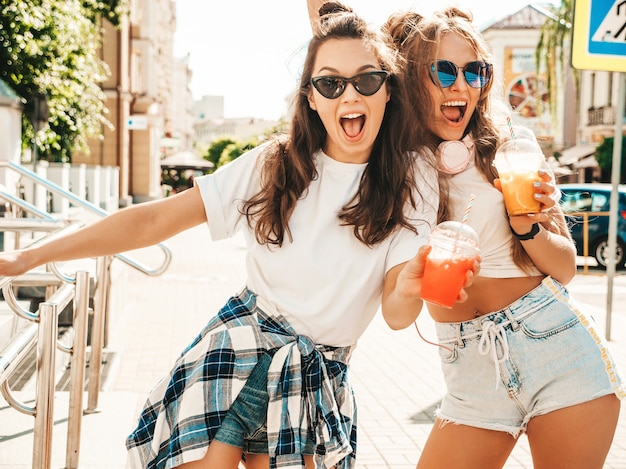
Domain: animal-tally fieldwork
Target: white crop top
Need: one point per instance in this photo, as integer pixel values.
(488, 217)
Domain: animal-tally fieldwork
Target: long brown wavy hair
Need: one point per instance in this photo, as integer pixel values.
(388, 182)
(418, 38)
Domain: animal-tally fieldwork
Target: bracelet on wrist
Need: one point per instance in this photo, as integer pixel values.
(530, 235)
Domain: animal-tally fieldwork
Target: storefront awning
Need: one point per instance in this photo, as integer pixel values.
(588, 162)
(185, 160)
(573, 154)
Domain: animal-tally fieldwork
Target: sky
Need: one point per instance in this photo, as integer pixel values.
(250, 51)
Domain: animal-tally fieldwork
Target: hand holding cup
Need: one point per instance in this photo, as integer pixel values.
(454, 252)
(518, 162)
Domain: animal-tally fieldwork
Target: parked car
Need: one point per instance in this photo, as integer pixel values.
(591, 198)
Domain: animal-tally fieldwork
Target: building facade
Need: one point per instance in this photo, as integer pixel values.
(585, 111)
(513, 41)
(148, 99)
(209, 123)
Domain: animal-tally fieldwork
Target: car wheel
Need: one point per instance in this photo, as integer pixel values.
(601, 252)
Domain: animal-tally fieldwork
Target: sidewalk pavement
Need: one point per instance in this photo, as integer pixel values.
(396, 375)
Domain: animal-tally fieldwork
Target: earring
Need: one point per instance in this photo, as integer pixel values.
(454, 156)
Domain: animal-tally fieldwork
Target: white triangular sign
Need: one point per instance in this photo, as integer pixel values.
(613, 26)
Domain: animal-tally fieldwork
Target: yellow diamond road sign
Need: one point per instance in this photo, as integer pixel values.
(599, 35)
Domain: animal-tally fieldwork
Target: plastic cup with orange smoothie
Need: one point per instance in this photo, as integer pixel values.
(454, 250)
(518, 162)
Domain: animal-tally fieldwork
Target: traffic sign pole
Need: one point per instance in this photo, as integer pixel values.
(614, 207)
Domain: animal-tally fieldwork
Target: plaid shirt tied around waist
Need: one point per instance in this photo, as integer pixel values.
(308, 388)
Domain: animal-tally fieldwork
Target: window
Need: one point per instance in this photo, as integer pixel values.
(600, 201)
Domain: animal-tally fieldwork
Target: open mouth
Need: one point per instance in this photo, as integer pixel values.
(352, 124)
(454, 110)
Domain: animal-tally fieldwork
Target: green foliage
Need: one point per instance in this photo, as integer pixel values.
(224, 150)
(112, 10)
(229, 153)
(604, 156)
(51, 49)
(552, 53)
(235, 150)
(281, 128)
(214, 152)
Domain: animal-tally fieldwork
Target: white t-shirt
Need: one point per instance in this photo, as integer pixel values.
(326, 283)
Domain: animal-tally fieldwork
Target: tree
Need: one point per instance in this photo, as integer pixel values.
(50, 49)
(234, 151)
(214, 152)
(604, 157)
(112, 10)
(225, 149)
(552, 53)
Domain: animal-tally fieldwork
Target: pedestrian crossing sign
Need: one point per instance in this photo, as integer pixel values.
(599, 35)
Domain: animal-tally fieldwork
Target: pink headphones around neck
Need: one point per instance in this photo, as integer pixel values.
(455, 155)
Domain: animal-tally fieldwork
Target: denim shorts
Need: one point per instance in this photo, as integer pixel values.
(537, 355)
(245, 424)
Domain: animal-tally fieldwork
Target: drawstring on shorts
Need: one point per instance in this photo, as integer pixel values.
(488, 345)
(490, 335)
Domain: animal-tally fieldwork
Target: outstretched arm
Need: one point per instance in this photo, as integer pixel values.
(130, 228)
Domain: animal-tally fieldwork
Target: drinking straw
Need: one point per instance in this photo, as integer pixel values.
(510, 124)
(468, 208)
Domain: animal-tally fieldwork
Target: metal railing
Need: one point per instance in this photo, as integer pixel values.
(585, 216)
(43, 331)
(604, 115)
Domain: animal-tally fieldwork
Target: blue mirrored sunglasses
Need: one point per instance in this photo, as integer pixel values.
(477, 74)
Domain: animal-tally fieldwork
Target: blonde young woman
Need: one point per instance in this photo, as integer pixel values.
(518, 355)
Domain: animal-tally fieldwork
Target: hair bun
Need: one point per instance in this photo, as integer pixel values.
(331, 8)
(401, 25)
(458, 12)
